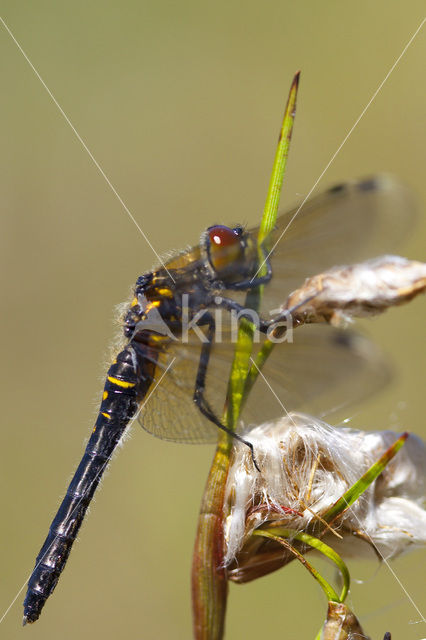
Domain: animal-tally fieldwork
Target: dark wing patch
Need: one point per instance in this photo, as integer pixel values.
(344, 225)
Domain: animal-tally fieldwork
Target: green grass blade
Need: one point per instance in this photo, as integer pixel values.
(241, 364)
(209, 583)
(364, 482)
(323, 548)
(274, 191)
(326, 586)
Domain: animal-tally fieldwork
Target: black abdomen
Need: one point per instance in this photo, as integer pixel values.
(128, 380)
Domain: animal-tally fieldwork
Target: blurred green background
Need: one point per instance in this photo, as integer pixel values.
(180, 103)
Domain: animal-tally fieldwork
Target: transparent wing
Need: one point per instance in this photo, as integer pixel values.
(169, 411)
(346, 224)
(324, 370)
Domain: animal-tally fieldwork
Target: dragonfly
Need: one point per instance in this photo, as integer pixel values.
(177, 388)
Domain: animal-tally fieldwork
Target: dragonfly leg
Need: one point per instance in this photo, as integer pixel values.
(252, 283)
(290, 311)
(264, 326)
(230, 305)
(200, 383)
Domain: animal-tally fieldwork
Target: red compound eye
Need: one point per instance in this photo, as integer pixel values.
(225, 247)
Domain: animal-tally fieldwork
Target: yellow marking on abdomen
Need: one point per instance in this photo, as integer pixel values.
(168, 293)
(157, 338)
(105, 395)
(151, 305)
(134, 302)
(121, 383)
(106, 415)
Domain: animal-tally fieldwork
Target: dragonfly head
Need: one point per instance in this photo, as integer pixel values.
(228, 252)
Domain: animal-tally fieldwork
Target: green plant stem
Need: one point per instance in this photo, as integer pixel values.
(209, 583)
(326, 586)
(323, 548)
